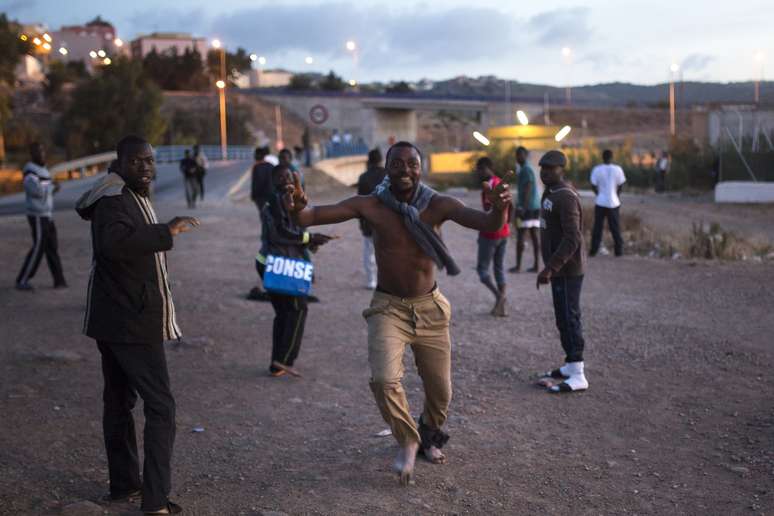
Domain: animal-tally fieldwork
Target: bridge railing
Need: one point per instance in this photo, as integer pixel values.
(341, 149)
(173, 153)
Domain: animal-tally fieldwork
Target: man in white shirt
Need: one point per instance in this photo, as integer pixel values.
(607, 180)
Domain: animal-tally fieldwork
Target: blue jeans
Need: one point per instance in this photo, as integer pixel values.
(491, 251)
(566, 293)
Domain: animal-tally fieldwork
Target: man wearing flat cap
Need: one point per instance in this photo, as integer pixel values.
(561, 220)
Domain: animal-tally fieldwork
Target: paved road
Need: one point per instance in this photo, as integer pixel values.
(168, 187)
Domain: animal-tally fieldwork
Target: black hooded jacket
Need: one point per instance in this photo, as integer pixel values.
(129, 299)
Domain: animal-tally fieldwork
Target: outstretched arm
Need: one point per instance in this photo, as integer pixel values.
(492, 220)
(296, 202)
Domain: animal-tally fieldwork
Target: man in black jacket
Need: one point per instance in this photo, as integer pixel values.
(130, 314)
(366, 184)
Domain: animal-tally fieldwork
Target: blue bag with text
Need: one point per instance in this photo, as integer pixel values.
(288, 276)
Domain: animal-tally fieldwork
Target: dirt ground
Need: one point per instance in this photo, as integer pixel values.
(678, 418)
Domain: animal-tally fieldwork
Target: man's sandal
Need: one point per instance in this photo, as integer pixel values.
(548, 378)
(285, 368)
(171, 508)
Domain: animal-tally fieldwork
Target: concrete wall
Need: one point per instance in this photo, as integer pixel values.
(344, 170)
(744, 192)
(391, 125)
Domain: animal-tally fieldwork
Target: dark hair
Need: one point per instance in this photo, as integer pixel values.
(607, 154)
(128, 141)
(521, 148)
(484, 162)
(34, 146)
(285, 150)
(402, 144)
(261, 152)
(278, 168)
(374, 156)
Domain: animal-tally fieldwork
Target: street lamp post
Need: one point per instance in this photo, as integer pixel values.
(567, 56)
(672, 118)
(221, 85)
(759, 58)
(351, 46)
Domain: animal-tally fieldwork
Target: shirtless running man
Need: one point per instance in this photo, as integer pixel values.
(407, 307)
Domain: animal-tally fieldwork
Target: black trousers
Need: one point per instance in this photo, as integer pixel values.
(288, 328)
(129, 370)
(44, 241)
(613, 222)
(566, 292)
(191, 190)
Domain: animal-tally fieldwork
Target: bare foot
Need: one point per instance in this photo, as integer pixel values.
(434, 455)
(499, 307)
(404, 464)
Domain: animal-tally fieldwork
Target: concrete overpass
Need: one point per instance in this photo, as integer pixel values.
(377, 119)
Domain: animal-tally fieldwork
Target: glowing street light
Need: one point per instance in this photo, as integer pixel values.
(309, 60)
(522, 117)
(563, 132)
(351, 45)
(118, 42)
(36, 41)
(483, 140)
(216, 43)
(23, 37)
(47, 37)
(107, 61)
(46, 46)
(352, 82)
(220, 84)
(261, 60)
(93, 54)
(253, 57)
(63, 51)
(101, 53)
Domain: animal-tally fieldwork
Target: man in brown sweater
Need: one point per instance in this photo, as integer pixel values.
(564, 254)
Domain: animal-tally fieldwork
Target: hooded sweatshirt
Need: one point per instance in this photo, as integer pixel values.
(129, 299)
(38, 189)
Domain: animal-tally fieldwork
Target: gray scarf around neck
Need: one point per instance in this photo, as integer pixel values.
(424, 235)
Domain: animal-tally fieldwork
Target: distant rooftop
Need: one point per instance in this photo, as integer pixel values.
(168, 35)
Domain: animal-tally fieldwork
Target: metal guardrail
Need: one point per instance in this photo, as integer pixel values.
(87, 165)
(173, 153)
(339, 150)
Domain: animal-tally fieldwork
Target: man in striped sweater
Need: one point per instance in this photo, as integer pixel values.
(130, 314)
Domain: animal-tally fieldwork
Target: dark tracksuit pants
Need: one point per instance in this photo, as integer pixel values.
(289, 322)
(129, 370)
(566, 291)
(44, 241)
(613, 222)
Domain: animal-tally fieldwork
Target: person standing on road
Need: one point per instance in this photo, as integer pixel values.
(39, 190)
(527, 213)
(407, 307)
(662, 168)
(366, 184)
(607, 180)
(281, 236)
(492, 244)
(190, 181)
(261, 190)
(129, 312)
(564, 258)
(201, 168)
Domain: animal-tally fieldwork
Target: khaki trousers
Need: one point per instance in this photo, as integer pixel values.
(423, 323)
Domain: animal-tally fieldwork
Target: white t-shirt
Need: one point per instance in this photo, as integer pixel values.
(607, 179)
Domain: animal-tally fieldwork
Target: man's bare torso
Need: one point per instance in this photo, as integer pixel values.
(404, 269)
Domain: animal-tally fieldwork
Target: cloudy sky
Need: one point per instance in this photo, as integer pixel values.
(610, 40)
